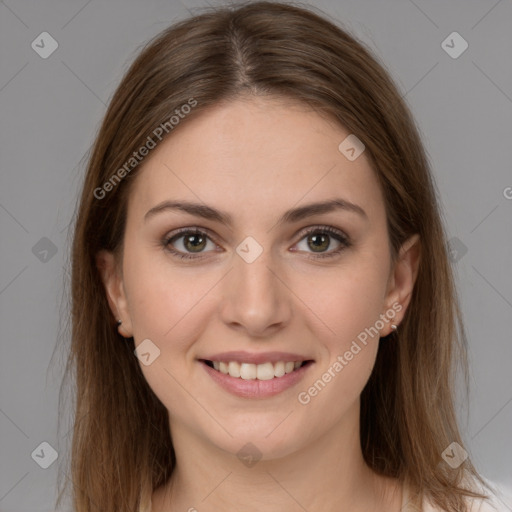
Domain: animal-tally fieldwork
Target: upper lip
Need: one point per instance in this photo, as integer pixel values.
(256, 358)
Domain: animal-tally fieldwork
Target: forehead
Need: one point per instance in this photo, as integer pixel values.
(255, 156)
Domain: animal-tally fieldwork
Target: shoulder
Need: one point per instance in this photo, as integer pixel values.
(499, 498)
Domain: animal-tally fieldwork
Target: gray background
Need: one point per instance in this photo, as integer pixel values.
(51, 108)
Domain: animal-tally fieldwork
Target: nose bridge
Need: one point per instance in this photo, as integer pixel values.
(255, 298)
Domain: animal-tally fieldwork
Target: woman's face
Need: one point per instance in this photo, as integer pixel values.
(269, 277)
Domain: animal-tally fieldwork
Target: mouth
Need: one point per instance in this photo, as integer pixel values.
(250, 371)
(256, 380)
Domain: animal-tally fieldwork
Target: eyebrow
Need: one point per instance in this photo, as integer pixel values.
(290, 216)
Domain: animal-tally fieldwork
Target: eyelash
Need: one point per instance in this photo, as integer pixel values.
(334, 233)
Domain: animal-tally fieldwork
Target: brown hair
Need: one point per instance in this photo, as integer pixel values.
(121, 448)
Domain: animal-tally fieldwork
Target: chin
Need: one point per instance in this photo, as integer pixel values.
(268, 439)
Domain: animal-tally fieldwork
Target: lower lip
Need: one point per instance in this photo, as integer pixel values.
(256, 388)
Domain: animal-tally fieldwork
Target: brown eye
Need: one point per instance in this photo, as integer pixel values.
(318, 243)
(194, 242)
(187, 243)
(320, 239)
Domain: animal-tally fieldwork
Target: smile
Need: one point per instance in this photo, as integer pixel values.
(250, 371)
(256, 381)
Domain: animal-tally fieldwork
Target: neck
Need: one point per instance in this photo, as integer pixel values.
(327, 474)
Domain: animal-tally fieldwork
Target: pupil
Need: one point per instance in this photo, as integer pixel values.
(323, 239)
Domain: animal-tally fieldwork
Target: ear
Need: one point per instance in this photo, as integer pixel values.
(111, 276)
(401, 280)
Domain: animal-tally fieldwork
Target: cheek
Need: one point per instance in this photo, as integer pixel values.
(171, 308)
(166, 305)
(343, 310)
(342, 303)
(349, 346)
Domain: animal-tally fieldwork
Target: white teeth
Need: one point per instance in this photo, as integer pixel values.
(249, 371)
(265, 371)
(279, 369)
(234, 369)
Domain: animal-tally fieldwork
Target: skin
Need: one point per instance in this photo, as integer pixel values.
(255, 158)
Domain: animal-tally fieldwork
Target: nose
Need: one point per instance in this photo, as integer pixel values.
(256, 299)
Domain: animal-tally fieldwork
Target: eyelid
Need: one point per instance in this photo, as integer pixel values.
(323, 228)
(191, 230)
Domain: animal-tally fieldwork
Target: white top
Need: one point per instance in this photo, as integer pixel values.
(477, 505)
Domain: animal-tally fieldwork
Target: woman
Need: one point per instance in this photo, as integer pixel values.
(263, 309)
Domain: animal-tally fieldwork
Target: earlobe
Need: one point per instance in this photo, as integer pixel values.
(114, 288)
(404, 276)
